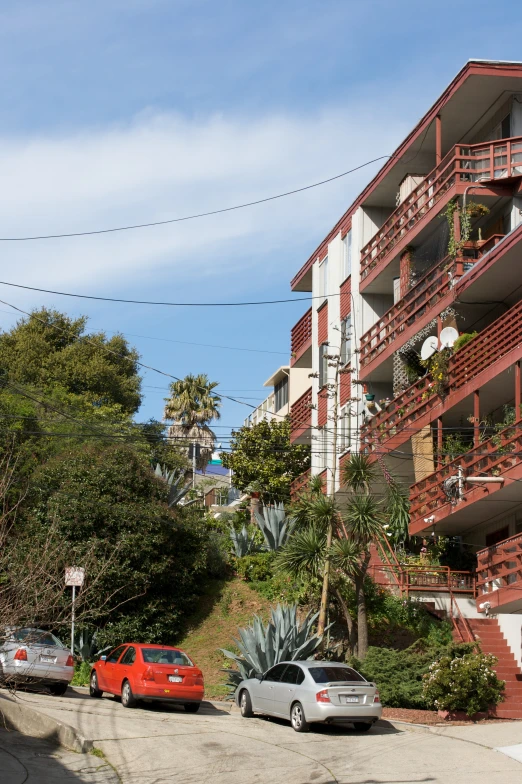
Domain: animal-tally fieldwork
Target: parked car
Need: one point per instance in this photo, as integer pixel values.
(305, 692)
(33, 656)
(148, 672)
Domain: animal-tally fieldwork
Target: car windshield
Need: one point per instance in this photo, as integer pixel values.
(36, 637)
(165, 656)
(334, 674)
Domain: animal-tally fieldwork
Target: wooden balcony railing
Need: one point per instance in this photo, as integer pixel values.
(422, 578)
(500, 566)
(412, 307)
(301, 336)
(300, 484)
(493, 457)
(463, 164)
(482, 352)
(301, 415)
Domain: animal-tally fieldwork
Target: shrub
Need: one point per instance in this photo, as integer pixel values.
(82, 673)
(467, 683)
(257, 566)
(400, 674)
(463, 339)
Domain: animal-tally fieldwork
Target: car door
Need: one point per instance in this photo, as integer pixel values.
(284, 691)
(264, 692)
(106, 674)
(123, 670)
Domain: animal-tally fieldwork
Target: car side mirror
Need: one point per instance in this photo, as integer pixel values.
(103, 658)
(259, 676)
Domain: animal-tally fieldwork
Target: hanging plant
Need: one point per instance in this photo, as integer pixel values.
(473, 210)
(438, 365)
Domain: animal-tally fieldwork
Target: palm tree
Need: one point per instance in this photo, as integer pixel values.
(192, 404)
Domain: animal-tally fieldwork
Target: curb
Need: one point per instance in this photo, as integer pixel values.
(15, 715)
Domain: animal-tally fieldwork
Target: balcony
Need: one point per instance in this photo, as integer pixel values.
(433, 293)
(499, 575)
(300, 484)
(452, 512)
(301, 419)
(493, 350)
(462, 166)
(301, 342)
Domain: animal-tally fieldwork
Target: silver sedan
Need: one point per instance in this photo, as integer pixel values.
(306, 692)
(34, 656)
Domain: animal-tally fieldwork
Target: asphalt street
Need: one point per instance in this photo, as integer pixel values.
(157, 744)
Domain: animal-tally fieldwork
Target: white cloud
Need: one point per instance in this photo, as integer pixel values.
(161, 166)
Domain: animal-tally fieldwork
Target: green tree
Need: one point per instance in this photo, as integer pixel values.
(49, 350)
(192, 405)
(262, 457)
(105, 500)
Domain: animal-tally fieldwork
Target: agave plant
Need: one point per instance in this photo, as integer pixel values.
(242, 542)
(275, 526)
(283, 638)
(176, 484)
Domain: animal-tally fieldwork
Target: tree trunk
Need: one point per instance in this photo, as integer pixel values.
(321, 623)
(349, 622)
(362, 617)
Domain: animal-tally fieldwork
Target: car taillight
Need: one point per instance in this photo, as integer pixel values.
(148, 675)
(21, 654)
(198, 680)
(322, 696)
(70, 661)
(376, 697)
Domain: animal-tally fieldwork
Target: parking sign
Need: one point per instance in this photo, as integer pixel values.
(74, 575)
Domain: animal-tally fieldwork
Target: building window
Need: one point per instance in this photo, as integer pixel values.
(322, 442)
(347, 255)
(346, 339)
(281, 393)
(323, 277)
(323, 364)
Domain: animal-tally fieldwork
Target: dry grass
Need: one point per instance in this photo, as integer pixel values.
(224, 607)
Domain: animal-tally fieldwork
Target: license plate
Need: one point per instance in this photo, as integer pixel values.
(175, 678)
(352, 699)
(47, 659)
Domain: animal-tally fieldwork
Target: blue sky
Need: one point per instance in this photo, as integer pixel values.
(127, 111)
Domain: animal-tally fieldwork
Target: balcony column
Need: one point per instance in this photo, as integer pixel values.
(518, 401)
(405, 272)
(439, 442)
(476, 418)
(438, 140)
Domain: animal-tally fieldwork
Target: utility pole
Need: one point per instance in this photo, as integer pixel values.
(333, 361)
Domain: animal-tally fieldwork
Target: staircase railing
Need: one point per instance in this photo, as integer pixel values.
(459, 621)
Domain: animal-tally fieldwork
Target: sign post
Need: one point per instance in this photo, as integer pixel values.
(74, 576)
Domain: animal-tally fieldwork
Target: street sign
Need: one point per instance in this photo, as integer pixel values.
(74, 575)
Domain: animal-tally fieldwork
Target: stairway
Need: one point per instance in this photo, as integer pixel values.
(487, 632)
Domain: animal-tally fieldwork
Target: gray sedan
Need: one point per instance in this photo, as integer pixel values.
(34, 656)
(311, 691)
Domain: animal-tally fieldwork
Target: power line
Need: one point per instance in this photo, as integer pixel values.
(205, 345)
(167, 304)
(197, 215)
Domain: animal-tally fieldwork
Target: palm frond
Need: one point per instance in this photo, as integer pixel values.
(358, 472)
(364, 518)
(304, 553)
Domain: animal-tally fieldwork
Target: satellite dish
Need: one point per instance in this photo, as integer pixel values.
(448, 336)
(429, 347)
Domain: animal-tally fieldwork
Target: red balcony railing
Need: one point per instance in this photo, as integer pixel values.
(482, 352)
(301, 336)
(424, 296)
(301, 415)
(493, 458)
(500, 566)
(463, 164)
(412, 307)
(300, 484)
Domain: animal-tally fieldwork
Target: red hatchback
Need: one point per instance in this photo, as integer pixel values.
(148, 672)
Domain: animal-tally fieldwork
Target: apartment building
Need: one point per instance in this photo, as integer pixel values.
(427, 263)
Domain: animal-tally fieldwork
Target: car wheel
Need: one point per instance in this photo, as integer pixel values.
(94, 691)
(58, 689)
(192, 707)
(128, 700)
(297, 718)
(362, 726)
(245, 705)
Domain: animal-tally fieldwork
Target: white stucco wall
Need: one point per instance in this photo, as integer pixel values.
(511, 628)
